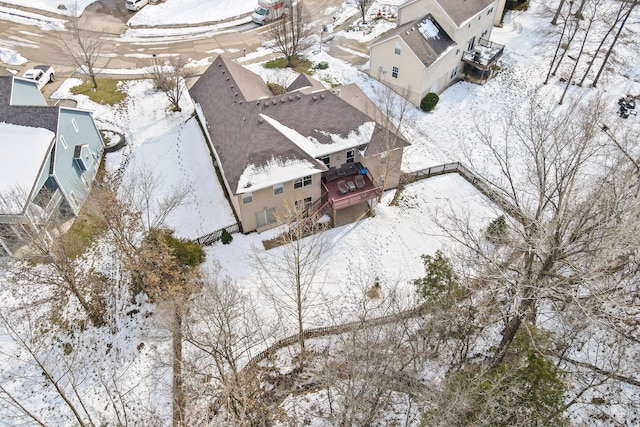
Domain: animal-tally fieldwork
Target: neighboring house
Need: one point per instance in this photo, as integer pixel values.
(435, 41)
(50, 156)
(310, 148)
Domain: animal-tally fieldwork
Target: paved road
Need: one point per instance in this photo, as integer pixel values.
(108, 19)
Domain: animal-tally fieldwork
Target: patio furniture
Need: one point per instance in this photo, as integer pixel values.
(351, 185)
(342, 187)
(359, 181)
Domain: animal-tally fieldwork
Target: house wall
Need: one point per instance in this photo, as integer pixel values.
(414, 80)
(266, 199)
(475, 27)
(410, 68)
(76, 127)
(392, 162)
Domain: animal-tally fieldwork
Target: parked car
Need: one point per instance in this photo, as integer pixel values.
(136, 5)
(41, 74)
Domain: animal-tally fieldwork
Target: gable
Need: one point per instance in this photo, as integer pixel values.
(254, 137)
(425, 37)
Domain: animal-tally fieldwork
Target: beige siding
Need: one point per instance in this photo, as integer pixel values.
(266, 199)
(409, 82)
(392, 162)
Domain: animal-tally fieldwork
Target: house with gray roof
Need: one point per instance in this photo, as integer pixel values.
(311, 148)
(49, 161)
(434, 44)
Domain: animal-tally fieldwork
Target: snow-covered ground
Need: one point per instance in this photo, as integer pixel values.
(388, 245)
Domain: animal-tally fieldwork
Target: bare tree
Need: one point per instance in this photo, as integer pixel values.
(611, 26)
(291, 268)
(84, 46)
(559, 45)
(556, 16)
(222, 331)
(631, 7)
(170, 78)
(290, 35)
(363, 8)
(594, 5)
(394, 109)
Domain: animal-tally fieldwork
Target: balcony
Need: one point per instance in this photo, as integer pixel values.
(484, 55)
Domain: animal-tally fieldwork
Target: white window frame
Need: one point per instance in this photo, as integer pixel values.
(304, 203)
(278, 189)
(75, 125)
(395, 71)
(489, 11)
(398, 49)
(326, 160)
(302, 182)
(84, 181)
(351, 156)
(63, 142)
(247, 198)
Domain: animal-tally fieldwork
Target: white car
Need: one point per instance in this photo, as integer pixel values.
(41, 74)
(136, 5)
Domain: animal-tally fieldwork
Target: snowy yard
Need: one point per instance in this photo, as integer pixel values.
(387, 246)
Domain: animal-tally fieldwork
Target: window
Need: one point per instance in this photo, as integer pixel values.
(472, 43)
(75, 125)
(489, 11)
(304, 204)
(484, 33)
(63, 142)
(278, 189)
(394, 72)
(247, 198)
(457, 52)
(383, 157)
(302, 182)
(84, 181)
(454, 72)
(351, 156)
(398, 48)
(74, 200)
(326, 160)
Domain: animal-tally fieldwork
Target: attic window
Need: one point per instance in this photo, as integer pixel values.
(398, 48)
(75, 125)
(63, 141)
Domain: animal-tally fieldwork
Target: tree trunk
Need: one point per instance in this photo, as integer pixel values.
(604, 38)
(613, 43)
(178, 392)
(554, 21)
(555, 55)
(575, 65)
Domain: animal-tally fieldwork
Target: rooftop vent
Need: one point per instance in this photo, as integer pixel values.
(322, 96)
(313, 98)
(260, 121)
(298, 96)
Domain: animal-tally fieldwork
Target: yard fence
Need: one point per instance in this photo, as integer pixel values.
(478, 182)
(214, 236)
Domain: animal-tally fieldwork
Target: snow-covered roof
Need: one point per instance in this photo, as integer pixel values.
(24, 152)
(360, 136)
(273, 172)
(260, 134)
(425, 37)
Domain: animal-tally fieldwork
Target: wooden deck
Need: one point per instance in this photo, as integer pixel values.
(340, 201)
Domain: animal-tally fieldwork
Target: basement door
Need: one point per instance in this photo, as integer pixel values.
(267, 216)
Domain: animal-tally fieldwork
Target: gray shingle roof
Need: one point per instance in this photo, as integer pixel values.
(242, 137)
(461, 10)
(239, 135)
(33, 116)
(428, 49)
